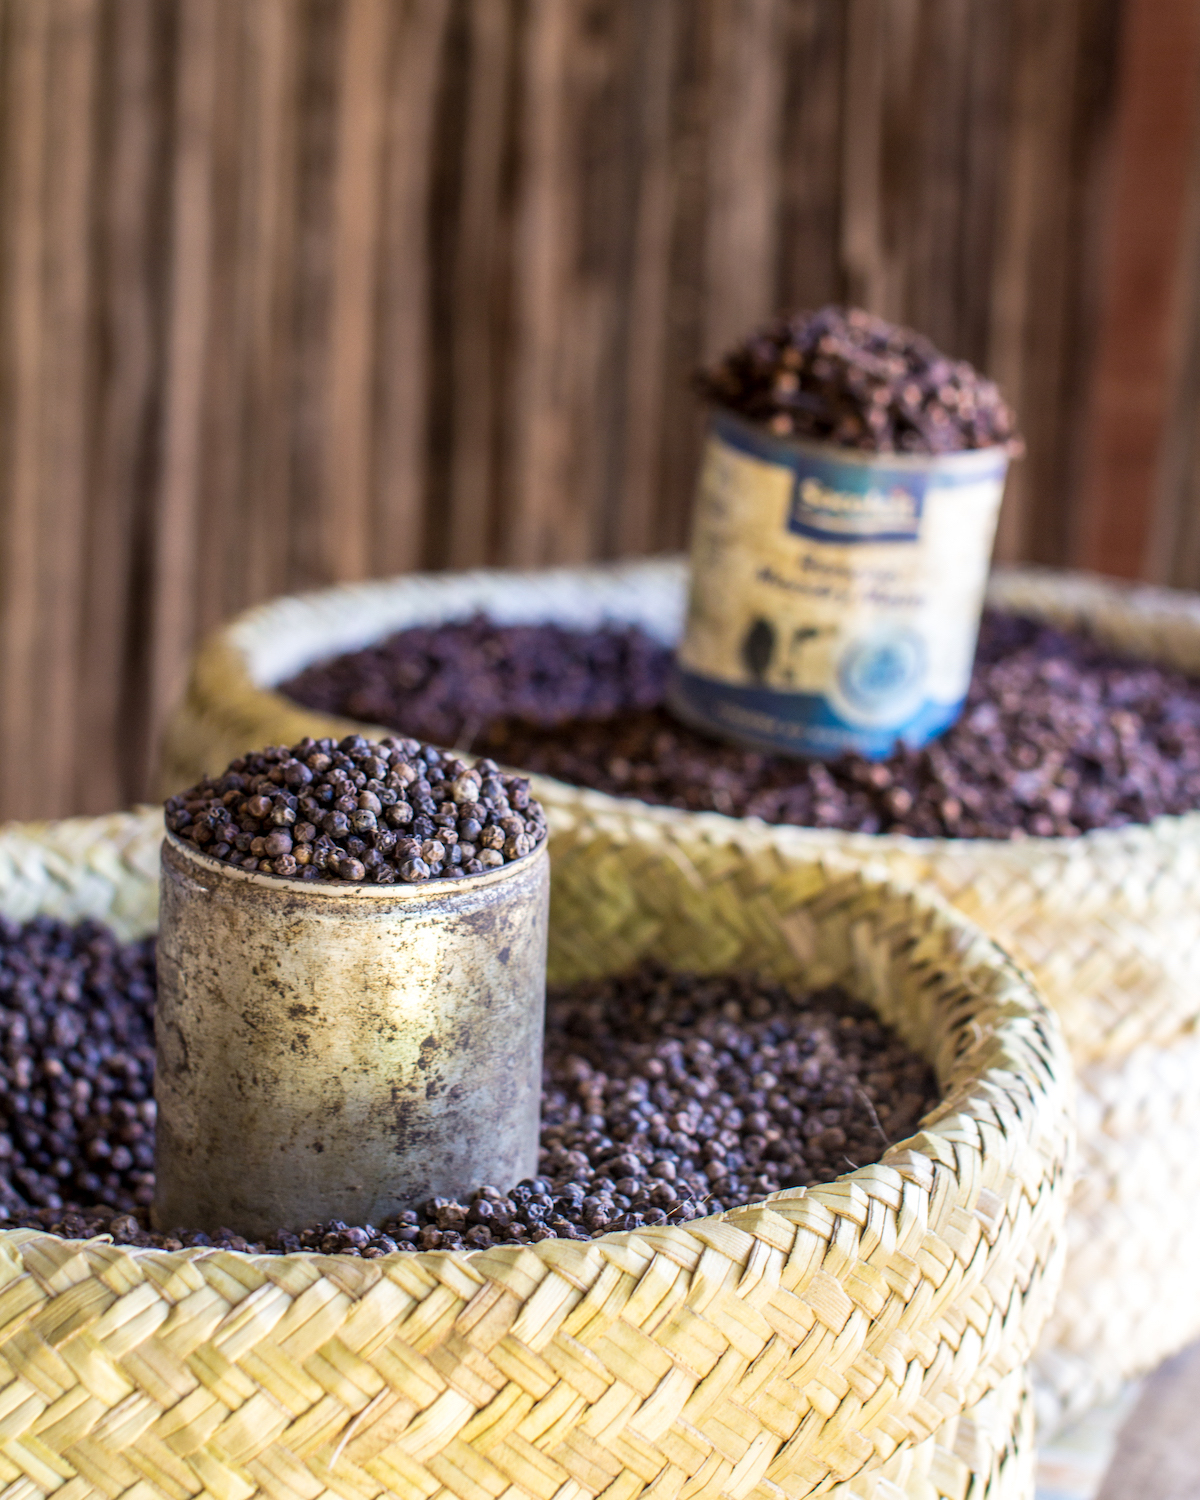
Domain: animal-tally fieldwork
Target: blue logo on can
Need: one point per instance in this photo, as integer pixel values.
(831, 508)
(879, 674)
(836, 497)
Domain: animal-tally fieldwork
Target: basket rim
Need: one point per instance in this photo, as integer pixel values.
(976, 952)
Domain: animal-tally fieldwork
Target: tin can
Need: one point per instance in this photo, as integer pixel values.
(336, 1051)
(835, 595)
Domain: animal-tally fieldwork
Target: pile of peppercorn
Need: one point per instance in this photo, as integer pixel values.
(848, 378)
(456, 680)
(360, 810)
(77, 1067)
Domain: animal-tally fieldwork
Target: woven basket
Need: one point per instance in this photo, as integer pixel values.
(865, 1339)
(1108, 923)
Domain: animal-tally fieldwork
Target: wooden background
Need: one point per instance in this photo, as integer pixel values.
(294, 291)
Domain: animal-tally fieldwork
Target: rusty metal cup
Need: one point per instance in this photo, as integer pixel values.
(336, 1051)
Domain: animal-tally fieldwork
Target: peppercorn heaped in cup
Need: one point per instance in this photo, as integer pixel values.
(360, 810)
(846, 504)
(845, 377)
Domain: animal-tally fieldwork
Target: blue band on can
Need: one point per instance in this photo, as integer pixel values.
(797, 723)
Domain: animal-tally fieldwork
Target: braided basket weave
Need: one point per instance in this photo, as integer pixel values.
(864, 1340)
(1108, 923)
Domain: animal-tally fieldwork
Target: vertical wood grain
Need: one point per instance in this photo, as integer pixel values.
(1173, 552)
(985, 122)
(743, 193)
(221, 453)
(1071, 252)
(930, 203)
(475, 398)
(127, 284)
(605, 119)
(357, 183)
(634, 517)
(316, 289)
(319, 27)
(690, 143)
(270, 111)
(400, 386)
(537, 409)
(1139, 348)
(67, 373)
(1030, 288)
(25, 57)
(810, 261)
(877, 151)
(179, 500)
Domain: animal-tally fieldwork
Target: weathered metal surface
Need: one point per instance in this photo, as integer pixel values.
(338, 1051)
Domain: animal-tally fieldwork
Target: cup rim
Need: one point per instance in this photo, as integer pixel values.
(958, 458)
(327, 890)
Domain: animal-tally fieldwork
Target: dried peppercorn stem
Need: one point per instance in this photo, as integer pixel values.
(343, 1051)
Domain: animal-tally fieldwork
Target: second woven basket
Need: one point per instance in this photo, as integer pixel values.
(1108, 923)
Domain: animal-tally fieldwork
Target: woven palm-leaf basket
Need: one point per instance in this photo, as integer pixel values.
(1108, 923)
(864, 1340)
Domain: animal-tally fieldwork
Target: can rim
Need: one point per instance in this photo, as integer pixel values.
(958, 458)
(340, 889)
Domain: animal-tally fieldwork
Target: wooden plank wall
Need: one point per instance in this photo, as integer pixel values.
(298, 291)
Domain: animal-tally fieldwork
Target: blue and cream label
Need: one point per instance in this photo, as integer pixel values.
(830, 504)
(835, 597)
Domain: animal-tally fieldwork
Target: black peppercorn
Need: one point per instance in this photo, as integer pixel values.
(344, 826)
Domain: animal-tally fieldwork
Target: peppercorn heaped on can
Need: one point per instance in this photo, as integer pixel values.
(843, 525)
(360, 811)
(350, 1014)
